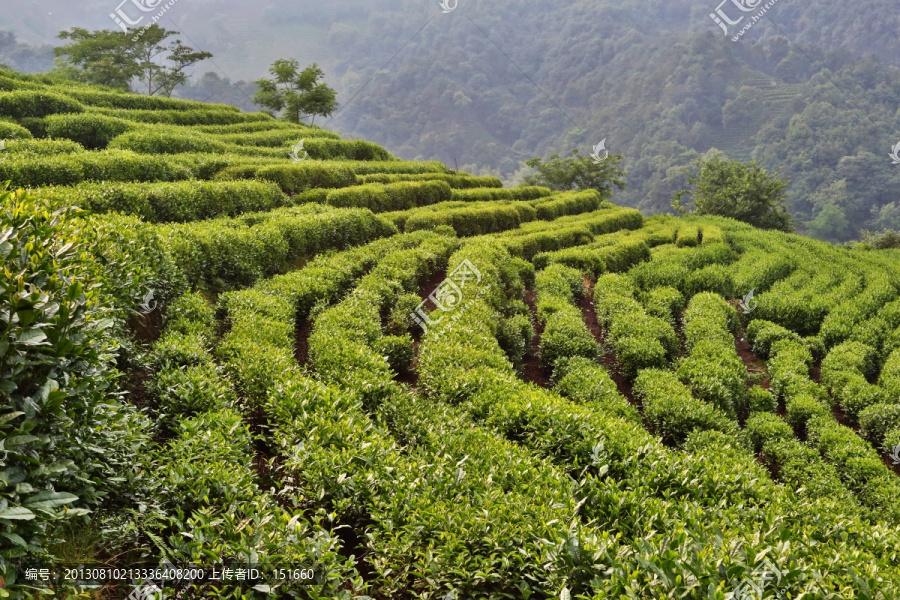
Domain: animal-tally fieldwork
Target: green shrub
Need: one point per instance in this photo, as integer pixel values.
(802, 408)
(714, 278)
(890, 376)
(457, 182)
(190, 314)
(93, 166)
(877, 421)
(673, 413)
(760, 400)
(327, 149)
(30, 148)
(495, 193)
(860, 466)
(398, 350)
(224, 254)
(764, 334)
(296, 178)
(58, 379)
(186, 392)
(688, 236)
(584, 381)
(390, 197)
(13, 131)
(764, 427)
(154, 141)
(201, 116)
(264, 133)
(665, 303)
(26, 103)
(92, 131)
(170, 202)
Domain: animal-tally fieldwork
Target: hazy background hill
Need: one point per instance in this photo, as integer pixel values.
(495, 83)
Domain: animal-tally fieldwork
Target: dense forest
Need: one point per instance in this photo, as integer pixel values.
(813, 91)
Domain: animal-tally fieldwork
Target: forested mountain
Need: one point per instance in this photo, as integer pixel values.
(813, 89)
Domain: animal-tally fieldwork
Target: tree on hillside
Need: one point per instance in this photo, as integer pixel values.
(297, 93)
(115, 60)
(578, 172)
(742, 191)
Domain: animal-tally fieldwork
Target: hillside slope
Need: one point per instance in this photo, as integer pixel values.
(390, 379)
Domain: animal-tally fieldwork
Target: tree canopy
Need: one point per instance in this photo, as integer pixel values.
(578, 172)
(116, 60)
(297, 93)
(742, 191)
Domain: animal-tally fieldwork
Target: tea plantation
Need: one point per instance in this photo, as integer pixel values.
(418, 384)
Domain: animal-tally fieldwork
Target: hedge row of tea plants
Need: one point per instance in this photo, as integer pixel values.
(638, 339)
(222, 254)
(382, 493)
(796, 464)
(457, 182)
(843, 318)
(58, 374)
(671, 266)
(107, 165)
(565, 334)
(628, 479)
(265, 134)
(611, 253)
(490, 193)
(170, 202)
(713, 370)
(392, 196)
(183, 117)
(469, 219)
(845, 374)
(206, 497)
(808, 412)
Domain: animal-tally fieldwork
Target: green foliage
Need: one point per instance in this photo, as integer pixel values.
(393, 196)
(583, 381)
(57, 368)
(153, 141)
(297, 93)
(496, 193)
(565, 334)
(36, 104)
(9, 130)
(760, 400)
(577, 172)
(109, 165)
(92, 131)
(457, 182)
(673, 413)
(746, 192)
(224, 254)
(112, 59)
(169, 202)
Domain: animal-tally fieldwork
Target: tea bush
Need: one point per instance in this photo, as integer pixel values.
(21, 104)
(170, 202)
